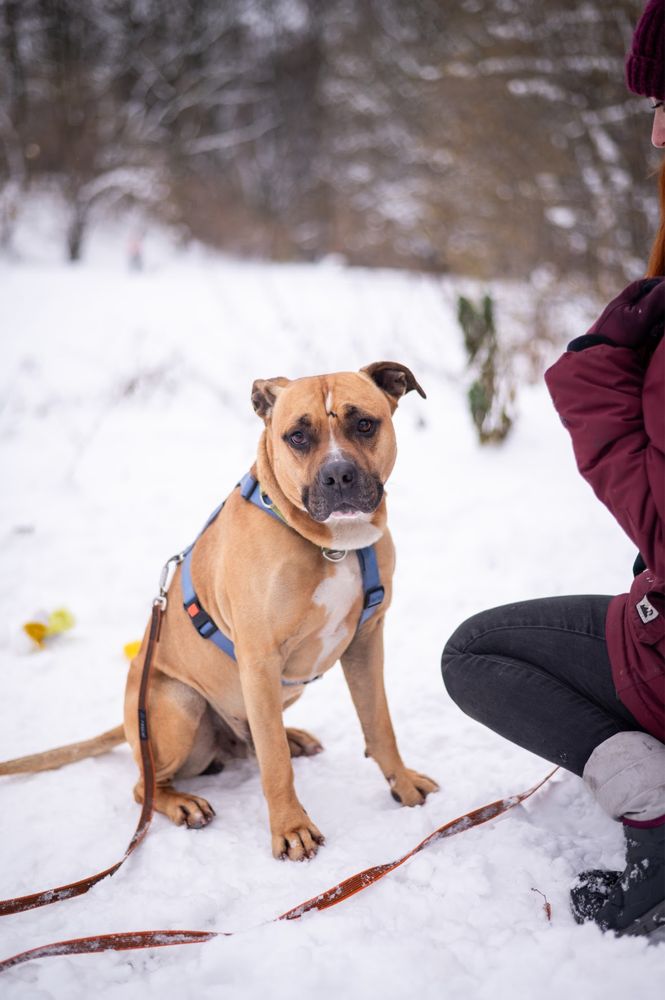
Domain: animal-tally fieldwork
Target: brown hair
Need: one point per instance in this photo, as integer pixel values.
(656, 265)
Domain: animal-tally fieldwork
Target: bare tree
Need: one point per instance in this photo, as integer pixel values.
(484, 137)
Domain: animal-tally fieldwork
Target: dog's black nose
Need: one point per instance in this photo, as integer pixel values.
(338, 475)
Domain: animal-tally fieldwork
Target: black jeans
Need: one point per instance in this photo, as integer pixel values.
(538, 673)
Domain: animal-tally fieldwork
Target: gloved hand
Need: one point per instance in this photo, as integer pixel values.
(635, 317)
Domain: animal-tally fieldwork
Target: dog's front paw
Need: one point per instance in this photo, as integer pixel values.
(410, 788)
(296, 838)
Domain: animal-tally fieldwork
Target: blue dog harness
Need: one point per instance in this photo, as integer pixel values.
(250, 490)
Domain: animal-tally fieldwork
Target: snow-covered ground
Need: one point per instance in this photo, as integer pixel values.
(125, 419)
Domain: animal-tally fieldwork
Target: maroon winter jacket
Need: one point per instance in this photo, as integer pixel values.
(614, 410)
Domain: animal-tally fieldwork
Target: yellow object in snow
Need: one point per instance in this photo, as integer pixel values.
(36, 631)
(59, 621)
(131, 649)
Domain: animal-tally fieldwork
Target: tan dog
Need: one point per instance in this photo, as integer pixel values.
(327, 449)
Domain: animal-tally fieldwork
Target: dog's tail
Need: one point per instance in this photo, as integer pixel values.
(52, 759)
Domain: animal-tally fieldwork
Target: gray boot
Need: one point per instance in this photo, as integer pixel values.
(636, 902)
(626, 775)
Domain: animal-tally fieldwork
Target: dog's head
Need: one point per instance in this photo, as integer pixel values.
(330, 439)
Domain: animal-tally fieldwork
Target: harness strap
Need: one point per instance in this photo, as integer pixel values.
(250, 490)
(199, 617)
(373, 591)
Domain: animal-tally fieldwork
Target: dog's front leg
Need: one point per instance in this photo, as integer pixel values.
(294, 836)
(363, 668)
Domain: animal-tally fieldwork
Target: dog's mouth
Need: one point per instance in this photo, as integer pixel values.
(322, 506)
(346, 511)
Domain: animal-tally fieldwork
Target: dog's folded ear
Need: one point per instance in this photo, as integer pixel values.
(264, 394)
(394, 379)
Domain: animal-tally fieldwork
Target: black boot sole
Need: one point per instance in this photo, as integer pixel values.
(590, 892)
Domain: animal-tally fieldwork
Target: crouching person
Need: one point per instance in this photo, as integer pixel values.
(580, 681)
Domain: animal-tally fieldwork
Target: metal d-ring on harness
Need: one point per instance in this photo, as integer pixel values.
(250, 490)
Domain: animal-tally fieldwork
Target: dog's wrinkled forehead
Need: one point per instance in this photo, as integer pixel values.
(324, 398)
(378, 386)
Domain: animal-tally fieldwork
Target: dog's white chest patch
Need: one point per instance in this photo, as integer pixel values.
(336, 595)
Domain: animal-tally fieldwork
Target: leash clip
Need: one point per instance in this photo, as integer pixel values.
(166, 579)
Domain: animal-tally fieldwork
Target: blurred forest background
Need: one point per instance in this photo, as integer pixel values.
(478, 137)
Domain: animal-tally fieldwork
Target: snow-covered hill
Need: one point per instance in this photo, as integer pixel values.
(125, 419)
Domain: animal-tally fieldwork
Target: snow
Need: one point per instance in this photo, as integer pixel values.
(125, 419)
(561, 215)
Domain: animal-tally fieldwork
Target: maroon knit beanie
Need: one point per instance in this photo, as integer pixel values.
(645, 65)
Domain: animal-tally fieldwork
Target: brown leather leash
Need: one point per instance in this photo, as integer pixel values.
(331, 897)
(163, 938)
(35, 899)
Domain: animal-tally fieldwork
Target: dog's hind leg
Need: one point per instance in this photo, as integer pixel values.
(302, 743)
(183, 744)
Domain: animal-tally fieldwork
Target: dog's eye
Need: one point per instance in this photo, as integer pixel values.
(298, 439)
(366, 426)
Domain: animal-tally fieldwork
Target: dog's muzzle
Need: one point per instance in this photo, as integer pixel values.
(342, 489)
